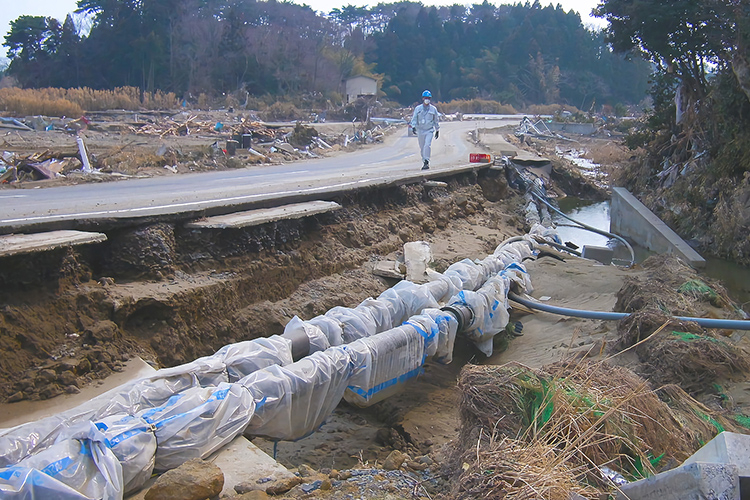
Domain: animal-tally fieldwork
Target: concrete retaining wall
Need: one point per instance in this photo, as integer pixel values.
(631, 219)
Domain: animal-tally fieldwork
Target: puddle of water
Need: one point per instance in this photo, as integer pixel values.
(735, 278)
(595, 214)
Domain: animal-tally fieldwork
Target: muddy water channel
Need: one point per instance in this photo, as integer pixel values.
(736, 278)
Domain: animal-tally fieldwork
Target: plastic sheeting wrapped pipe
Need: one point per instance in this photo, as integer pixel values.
(343, 325)
(195, 409)
(237, 360)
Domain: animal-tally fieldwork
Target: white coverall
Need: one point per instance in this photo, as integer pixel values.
(425, 120)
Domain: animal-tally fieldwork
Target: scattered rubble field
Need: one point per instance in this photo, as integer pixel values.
(122, 144)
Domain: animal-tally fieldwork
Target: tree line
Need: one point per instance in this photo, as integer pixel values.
(517, 54)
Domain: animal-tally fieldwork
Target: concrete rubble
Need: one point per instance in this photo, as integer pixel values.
(719, 470)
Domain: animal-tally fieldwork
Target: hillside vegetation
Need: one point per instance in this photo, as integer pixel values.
(694, 170)
(516, 54)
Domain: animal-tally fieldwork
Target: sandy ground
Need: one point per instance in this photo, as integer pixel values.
(576, 284)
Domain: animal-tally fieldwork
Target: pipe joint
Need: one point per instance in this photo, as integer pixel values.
(463, 314)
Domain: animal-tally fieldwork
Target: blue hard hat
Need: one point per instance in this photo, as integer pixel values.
(426, 93)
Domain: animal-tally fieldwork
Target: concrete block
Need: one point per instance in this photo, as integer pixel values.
(264, 215)
(387, 269)
(12, 244)
(726, 448)
(631, 219)
(600, 254)
(696, 481)
(572, 128)
(243, 462)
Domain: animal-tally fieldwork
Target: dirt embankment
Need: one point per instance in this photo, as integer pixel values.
(170, 294)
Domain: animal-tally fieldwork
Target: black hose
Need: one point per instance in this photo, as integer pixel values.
(586, 226)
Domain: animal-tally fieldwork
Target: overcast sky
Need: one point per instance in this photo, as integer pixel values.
(12, 9)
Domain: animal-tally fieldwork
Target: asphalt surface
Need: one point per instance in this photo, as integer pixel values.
(396, 160)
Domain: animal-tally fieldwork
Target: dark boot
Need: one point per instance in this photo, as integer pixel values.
(426, 165)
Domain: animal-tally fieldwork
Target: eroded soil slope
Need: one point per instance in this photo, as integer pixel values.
(170, 295)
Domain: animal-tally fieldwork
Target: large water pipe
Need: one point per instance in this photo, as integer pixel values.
(724, 324)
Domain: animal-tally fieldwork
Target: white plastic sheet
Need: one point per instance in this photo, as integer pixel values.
(330, 327)
(293, 401)
(517, 273)
(380, 313)
(315, 336)
(197, 422)
(395, 304)
(81, 467)
(233, 362)
(133, 442)
(447, 325)
(355, 323)
(490, 307)
(154, 390)
(384, 362)
(243, 358)
(469, 273)
(449, 285)
(21, 441)
(416, 298)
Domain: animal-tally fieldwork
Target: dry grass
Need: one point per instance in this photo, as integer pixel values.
(476, 106)
(75, 102)
(682, 353)
(24, 104)
(509, 468)
(666, 286)
(548, 432)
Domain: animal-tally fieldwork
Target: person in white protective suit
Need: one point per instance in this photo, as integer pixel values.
(424, 123)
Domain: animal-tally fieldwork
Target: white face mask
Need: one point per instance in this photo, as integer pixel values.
(426, 102)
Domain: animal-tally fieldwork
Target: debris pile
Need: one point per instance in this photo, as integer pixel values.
(120, 144)
(193, 125)
(37, 166)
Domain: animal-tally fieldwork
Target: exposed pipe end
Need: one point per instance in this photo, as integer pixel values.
(463, 314)
(300, 344)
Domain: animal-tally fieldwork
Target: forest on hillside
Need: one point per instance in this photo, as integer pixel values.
(518, 54)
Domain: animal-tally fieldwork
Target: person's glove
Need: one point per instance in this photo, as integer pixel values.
(437, 134)
(414, 130)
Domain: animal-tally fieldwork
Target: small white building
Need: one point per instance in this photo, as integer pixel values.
(358, 86)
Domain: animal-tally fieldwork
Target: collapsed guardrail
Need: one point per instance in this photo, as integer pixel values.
(280, 387)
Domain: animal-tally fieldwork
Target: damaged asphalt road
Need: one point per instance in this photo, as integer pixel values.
(224, 191)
